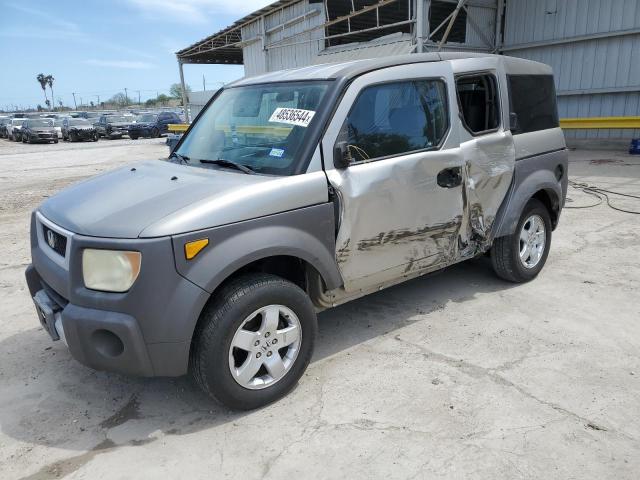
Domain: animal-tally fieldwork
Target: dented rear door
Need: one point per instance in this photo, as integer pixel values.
(400, 213)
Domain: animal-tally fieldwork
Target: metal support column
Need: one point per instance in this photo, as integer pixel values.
(420, 25)
(498, 37)
(184, 92)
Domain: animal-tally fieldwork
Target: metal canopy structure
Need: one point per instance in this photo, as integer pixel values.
(325, 23)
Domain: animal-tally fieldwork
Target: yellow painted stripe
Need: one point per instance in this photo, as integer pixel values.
(600, 122)
(177, 127)
(566, 123)
(244, 129)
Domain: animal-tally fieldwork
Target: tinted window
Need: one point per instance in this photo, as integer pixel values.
(395, 118)
(533, 99)
(478, 101)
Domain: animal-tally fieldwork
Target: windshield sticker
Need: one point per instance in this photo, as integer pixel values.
(292, 116)
(276, 152)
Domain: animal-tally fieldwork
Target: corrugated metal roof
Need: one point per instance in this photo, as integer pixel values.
(238, 23)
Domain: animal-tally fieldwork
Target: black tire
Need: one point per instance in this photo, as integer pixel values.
(95, 137)
(155, 133)
(219, 321)
(505, 253)
(133, 137)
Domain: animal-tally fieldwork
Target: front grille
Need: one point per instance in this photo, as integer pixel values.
(57, 242)
(44, 135)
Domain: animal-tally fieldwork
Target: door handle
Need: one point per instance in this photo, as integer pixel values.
(450, 177)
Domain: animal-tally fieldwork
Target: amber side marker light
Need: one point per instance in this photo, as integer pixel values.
(191, 249)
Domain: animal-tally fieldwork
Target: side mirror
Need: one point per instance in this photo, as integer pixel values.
(341, 155)
(513, 122)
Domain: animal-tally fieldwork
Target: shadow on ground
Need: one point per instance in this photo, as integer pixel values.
(49, 399)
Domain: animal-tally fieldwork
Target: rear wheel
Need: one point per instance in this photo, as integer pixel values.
(133, 137)
(254, 341)
(520, 257)
(155, 133)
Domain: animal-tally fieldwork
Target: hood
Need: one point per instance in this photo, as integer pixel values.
(143, 124)
(120, 124)
(145, 202)
(44, 129)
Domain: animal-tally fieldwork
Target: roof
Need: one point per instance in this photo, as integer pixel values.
(331, 71)
(229, 49)
(354, 68)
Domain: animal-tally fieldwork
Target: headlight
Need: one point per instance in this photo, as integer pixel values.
(110, 270)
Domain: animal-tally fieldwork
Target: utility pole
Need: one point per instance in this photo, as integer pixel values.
(204, 84)
(98, 97)
(81, 103)
(75, 105)
(126, 97)
(138, 96)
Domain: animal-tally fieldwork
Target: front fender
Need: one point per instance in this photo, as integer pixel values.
(531, 175)
(306, 233)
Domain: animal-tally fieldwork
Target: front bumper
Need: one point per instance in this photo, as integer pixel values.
(83, 134)
(43, 137)
(96, 338)
(145, 331)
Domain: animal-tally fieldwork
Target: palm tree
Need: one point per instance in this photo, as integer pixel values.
(50, 79)
(42, 79)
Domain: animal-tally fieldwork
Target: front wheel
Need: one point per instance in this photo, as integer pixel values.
(520, 257)
(254, 341)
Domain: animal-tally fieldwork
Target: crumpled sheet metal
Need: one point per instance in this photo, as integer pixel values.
(488, 171)
(395, 219)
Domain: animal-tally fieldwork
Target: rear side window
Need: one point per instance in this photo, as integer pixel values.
(396, 118)
(478, 100)
(533, 99)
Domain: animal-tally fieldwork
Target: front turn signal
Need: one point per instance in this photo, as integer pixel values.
(191, 249)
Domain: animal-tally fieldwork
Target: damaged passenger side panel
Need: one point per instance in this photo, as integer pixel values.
(488, 171)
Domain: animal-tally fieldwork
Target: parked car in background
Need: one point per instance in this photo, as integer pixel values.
(152, 124)
(4, 121)
(13, 129)
(57, 124)
(78, 129)
(113, 126)
(38, 130)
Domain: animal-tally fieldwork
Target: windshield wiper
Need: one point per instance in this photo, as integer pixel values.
(181, 158)
(229, 163)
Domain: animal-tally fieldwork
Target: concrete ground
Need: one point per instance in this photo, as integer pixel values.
(458, 375)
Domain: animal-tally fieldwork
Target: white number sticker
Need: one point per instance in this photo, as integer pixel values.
(292, 116)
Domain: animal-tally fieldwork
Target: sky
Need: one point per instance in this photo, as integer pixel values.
(97, 48)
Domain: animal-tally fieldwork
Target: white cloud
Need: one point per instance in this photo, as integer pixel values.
(196, 11)
(129, 64)
(60, 24)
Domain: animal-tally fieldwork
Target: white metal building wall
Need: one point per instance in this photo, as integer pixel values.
(594, 49)
(279, 25)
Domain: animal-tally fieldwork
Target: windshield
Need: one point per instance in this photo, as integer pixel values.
(260, 126)
(147, 118)
(41, 123)
(118, 119)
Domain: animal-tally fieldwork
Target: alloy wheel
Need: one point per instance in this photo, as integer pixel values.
(265, 347)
